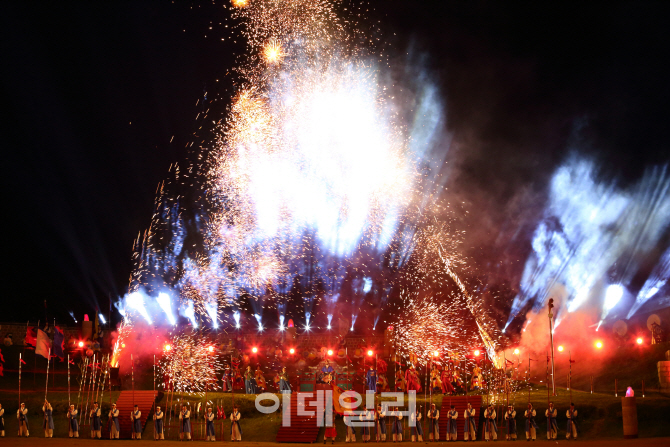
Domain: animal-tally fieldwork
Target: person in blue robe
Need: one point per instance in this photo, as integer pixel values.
(327, 373)
(250, 381)
(470, 429)
(159, 417)
(235, 427)
(371, 379)
(48, 422)
(73, 424)
(113, 423)
(136, 417)
(185, 423)
(552, 426)
(572, 429)
(380, 423)
(510, 424)
(96, 422)
(284, 384)
(211, 432)
(452, 416)
(416, 431)
(396, 428)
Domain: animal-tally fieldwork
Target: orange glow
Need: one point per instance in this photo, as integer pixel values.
(516, 351)
(272, 52)
(167, 347)
(477, 353)
(436, 354)
(370, 352)
(291, 351)
(330, 352)
(599, 344)
(254, 349)
(81, 344)
(210, 348)
(239, 3)
(123, 345)
(639, 340)
(560, 348)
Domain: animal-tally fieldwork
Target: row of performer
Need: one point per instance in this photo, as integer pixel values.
(378, 419)
(113, 425)
(470, 426)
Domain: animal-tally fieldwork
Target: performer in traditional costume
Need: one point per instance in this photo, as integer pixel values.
(470, 429)
(571, 431)
(397, 425)
(327, 373)
(96, 422)
(380, 423)
(114, 428)
(329, 423)
(284, 384)
(510, 424)
(435, 381)
(2, 422)
(552, 426)
(433, 423)
(22, 416)
(235, 428)
(452, 416)
(400, 381)
(445, 378)
(490, 427)
(351, 430)
(227, 380)
(371, 380)
(476, 378)
(136, 417)
(210, 432)
(531, 425)
(73, 424)
(48, 422)
(456, 382)
(159, 417)
(367, 416)
(415, 427)
(412, 381)
(185, 423)
(260, 379)
(250, 381)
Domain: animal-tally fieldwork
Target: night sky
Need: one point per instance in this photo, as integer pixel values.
(100, 98)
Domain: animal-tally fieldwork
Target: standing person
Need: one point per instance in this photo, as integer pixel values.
(433, 423)
(435, 379)
(331, 431)
(96, 422)
(136, 417)
(412, 381)
(371, 379)
(510, 424)
(397, 425)
(366, 416)
(470, 429)
(22, 416)
(552, 426)
(445, 378)
(327, 373)
(531, 425)
(476, 377)
(73, 424)
(399, 380)
(571, 414)
(48, 423)
(380, 423)
(211, 432)
(159, 431)
(260, 378)
(415, 430)
(452, 415)
(351, 431)
(284, 383)
(490, 427)
(2, 422)
(185, 421)
(227, 382)
(113, 423)
(235, 428)
(250, 381)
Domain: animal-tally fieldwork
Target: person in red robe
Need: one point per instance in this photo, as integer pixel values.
(447, 387)
(412, 381)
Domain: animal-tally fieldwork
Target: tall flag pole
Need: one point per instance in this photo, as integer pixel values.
(570, 376)
(46, 387)
(20, 362)
(68, 382)
(551, 339)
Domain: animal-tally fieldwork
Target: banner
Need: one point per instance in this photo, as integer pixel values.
(59, 343)
(43, 345)
(31, 337)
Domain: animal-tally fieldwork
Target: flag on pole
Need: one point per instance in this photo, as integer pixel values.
(31, 337)
(2, 358)
(43, 344)
(2, 374)
(59, 343)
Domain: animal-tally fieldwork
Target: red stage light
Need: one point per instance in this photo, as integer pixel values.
(639, 340)
(599, 344)
(291, 351)
(477, 353)
(167, 347)
(330, 352)
(370, 352)
(560, 348)
(81, 344)
(516, 351)
(254, 349)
